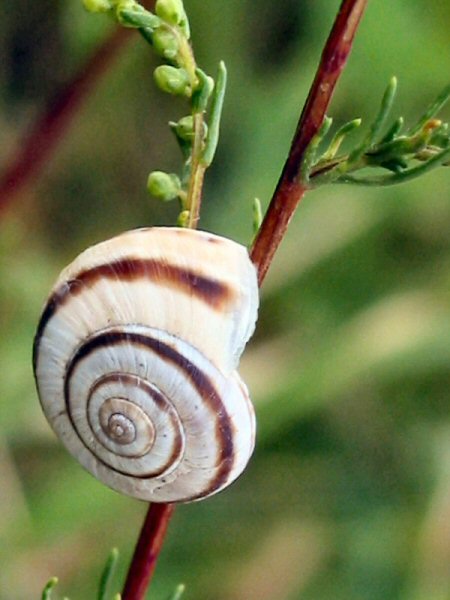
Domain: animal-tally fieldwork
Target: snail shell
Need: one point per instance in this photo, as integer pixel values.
(135, 357)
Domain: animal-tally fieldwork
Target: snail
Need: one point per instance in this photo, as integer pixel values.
(135, 359)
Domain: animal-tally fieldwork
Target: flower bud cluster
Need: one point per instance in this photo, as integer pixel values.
(167, 30)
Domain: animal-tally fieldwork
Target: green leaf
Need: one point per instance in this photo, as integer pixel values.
(432, 110)
(393, 131)
(134, 15)
(108, 573)
(202, 91)
(400, 147)
(401, 177)
(257, 217)
(311, 152)
(385, 107)
(427, 142)
(338, 138)
(47, 592)
(216, 114)
(178, 592)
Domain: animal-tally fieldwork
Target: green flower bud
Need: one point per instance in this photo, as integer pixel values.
(183, 218)
(172, 80)
(131, 14)
(172, 11)
(164, 186)
(97, 6)
(165, 43)
(185, 128)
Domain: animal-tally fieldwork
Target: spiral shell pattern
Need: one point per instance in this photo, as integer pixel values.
(135, 357)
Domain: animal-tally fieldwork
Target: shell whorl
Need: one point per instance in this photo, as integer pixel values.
(135, 358)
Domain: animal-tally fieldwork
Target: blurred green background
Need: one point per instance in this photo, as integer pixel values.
(347, 496)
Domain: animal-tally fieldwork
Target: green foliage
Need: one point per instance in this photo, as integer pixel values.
(107, 575)
(257, 215)
(47, 591)
(168, 32)
(177, 593)
(212, 138)
(427, 142)
(106, 582)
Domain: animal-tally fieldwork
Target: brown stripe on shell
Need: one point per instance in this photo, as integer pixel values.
(56, 299)
(210, 291)
(159, 399)
(203, 385)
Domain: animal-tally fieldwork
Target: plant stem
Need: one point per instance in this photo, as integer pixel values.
(39, 144)
(157, 519)
(147, 550)
(286, 198)
(290, 189)
(194, 195)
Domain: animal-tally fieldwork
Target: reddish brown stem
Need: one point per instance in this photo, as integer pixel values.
(147, 551)
(290, 189)
(287, 195)
(38, 145)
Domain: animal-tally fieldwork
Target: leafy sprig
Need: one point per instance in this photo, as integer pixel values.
(404, 154)
(107, 576)
(49, 586)
(106, 582)
(168, 32)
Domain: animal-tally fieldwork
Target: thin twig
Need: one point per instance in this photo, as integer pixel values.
(39, 144)
(290, 189)
(194, 195)
(147, 551)
(41, 141)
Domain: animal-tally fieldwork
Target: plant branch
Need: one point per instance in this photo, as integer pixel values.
(40, 142)
(402, 176)
(147, 550)
(194, 193)
(290, 188)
